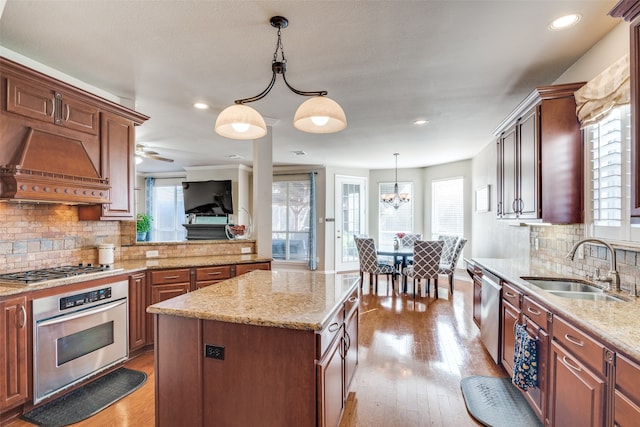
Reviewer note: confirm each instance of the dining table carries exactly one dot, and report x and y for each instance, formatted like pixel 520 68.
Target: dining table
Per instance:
pixel 400 256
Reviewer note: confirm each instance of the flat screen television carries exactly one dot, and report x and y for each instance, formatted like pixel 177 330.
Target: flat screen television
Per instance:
pixel 207 197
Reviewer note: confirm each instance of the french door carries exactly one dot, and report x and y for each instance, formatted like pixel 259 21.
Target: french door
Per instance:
pixel 350 211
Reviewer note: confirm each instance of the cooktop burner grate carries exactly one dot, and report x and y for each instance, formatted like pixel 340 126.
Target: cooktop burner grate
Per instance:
pixel 34 276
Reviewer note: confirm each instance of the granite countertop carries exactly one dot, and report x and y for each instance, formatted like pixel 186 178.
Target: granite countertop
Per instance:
pixel 614 322
pixel 293 300
pixel 134 266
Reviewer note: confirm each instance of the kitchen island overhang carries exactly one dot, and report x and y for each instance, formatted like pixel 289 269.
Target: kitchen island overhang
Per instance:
pixel 265 348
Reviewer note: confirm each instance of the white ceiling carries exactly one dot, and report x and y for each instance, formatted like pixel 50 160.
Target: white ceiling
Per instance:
pixel 462 65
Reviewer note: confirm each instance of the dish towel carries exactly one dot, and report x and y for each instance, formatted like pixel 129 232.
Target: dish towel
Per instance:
pixel 525 363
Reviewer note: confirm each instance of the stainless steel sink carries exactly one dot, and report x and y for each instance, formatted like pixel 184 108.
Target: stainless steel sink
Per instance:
pixel 563 285
pixel 594 296
pixel 571 288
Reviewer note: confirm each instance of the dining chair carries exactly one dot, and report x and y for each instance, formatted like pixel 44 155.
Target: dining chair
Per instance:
pixel 369 263
pixel 448 263
pixel 408 239
pixel 426 261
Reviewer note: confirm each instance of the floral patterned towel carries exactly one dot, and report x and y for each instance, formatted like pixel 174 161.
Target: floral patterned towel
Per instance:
pixel 525 363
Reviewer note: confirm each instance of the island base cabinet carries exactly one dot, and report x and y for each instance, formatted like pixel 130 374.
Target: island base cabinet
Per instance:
pixel 577 395
pixel 211 373
pixel 13 352
pixel 330 385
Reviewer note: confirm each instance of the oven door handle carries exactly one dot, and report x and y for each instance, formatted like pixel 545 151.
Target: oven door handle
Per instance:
pixel 84 313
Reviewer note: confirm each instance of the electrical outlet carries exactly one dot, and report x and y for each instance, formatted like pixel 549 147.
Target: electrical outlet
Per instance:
pixel 245 250
pixel 214 351
pixel 152 254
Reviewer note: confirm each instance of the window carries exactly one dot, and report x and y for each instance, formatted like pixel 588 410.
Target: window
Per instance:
pixel 167 211
pixel 608 144
pixel 290 219
pixel 447 207
pixel 391 220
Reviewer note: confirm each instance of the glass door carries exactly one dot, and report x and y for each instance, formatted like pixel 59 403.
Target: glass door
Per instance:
pixel 350 209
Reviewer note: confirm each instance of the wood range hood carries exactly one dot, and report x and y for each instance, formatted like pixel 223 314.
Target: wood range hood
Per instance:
pixel 52 168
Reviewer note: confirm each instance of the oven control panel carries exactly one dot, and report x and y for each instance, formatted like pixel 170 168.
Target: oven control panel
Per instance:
pixel 84 298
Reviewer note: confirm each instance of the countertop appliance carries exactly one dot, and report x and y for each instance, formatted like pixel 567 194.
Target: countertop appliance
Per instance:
pixel 490 314
pixel 78 334
pixel 106 254
pixel 37 276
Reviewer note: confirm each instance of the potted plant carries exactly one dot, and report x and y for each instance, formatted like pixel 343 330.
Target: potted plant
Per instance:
pixel 143 226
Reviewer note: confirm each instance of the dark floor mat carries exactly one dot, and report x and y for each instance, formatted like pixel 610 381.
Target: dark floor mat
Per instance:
pixel 87 400
pixel 496 402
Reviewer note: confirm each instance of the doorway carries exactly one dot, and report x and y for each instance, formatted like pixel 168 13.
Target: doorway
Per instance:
pixel 350 210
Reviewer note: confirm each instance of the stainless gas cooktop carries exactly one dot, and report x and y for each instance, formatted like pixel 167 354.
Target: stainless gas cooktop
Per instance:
pixel 37 276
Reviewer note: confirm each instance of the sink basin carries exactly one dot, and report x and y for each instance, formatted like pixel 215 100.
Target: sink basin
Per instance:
pixel 593 296
pixel 571 288
pixel 563 285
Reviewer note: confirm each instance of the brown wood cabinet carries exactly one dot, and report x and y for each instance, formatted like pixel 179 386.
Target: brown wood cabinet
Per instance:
pixel 137 305
pixel 206 276
pixel 539 145
pixel 578 377
pixel 626 401
pixel 629 10
pixel 14 333
pixel 42 102
pixel 511 309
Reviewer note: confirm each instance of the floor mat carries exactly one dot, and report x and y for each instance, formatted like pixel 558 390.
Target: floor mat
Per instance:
pixel 495 402
pixel 87 400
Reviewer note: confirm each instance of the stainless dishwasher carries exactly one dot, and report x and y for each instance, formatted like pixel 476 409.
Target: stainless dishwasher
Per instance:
pixel 490 314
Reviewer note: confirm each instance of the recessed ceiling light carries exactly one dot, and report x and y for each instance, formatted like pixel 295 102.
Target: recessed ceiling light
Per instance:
pixel 565 22
pixel 299 153
pixel 420 122
pixel 235 157
pixel 200 106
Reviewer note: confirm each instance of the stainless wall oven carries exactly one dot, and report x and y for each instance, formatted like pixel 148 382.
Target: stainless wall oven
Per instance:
pixel 76 335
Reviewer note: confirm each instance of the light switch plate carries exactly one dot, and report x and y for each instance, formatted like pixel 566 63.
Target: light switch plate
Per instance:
pixel 152 254
pixel 245 250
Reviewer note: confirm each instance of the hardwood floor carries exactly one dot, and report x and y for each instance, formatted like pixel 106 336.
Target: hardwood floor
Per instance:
pixel 411 359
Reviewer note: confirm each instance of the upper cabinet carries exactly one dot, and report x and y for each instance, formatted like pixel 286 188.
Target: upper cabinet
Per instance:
pixel 540 146
pixel 630 11
pixel 63 144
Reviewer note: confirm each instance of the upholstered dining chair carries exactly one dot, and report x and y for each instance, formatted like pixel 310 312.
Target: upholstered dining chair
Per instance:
pixel 426 261
pixel 369 263
pixel 408 239
pixel 448 263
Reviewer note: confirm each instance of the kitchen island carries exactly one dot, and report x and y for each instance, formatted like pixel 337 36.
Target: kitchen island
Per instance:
pixel 266 348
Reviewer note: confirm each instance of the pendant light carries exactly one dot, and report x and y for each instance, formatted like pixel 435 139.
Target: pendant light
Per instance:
pixel 396 199
pixel 316 115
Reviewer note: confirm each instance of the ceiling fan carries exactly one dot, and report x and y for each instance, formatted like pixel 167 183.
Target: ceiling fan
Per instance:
pixel 143 151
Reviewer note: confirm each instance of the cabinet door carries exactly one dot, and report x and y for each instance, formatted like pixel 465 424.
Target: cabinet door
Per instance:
pixel 79 115
pixel 626 403
pixel 509 173
pixel 13 352
pixel 527 204
pixel 30 100
pixel 137 306
pixel 330 386
pixel 118 145
pixel 576 394
pixel 160 293
pixel 537 396
pixel 510 316
pixel 351 349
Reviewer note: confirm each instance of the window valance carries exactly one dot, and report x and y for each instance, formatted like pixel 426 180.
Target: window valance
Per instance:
pixel 607 90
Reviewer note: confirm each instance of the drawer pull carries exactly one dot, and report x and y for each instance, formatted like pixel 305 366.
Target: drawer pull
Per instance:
pixel 67 112
pixel 573 340
pixel 23 320
pixel 533 311
pixel 566 360
pixel 217 273
pixel 53 108
pixel 510 294
pixel 334 327
pixel 171 277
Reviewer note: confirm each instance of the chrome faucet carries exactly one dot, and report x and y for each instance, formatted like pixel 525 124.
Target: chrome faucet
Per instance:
pixel 613 278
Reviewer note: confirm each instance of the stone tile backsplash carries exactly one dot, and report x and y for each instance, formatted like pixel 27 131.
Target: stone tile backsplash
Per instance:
pixel 555 242
pixel 44 235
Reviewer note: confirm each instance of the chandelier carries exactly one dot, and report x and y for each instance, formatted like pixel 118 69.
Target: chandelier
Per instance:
pixel 396 199
pixel 316 115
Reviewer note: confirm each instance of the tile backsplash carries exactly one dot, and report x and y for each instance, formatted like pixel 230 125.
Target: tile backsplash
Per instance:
pixel 44 235
pixel 551 244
